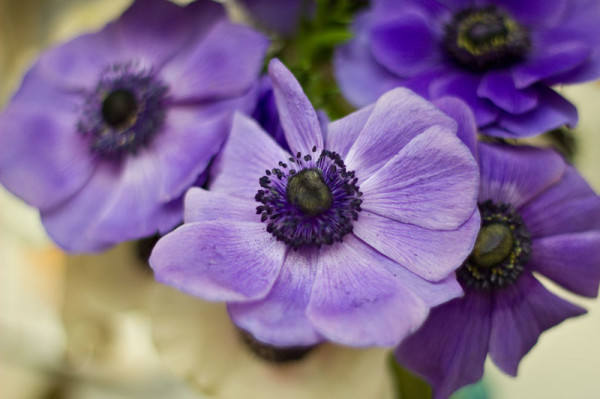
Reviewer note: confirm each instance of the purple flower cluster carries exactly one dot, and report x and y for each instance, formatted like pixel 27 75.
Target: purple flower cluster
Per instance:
pixel 392 226
pixel 499 56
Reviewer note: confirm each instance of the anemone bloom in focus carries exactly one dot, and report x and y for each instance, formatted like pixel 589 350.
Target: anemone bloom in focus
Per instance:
pixel 499 56
pixel 538 216
pixel 351 237
pixel 108 130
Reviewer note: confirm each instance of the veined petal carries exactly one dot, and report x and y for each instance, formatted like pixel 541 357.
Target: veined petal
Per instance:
pixel 297 115
pixel 223 260
pixel 521 313
pixel 342 133
pixel 431 183
pixel 458 110
pixel 280 318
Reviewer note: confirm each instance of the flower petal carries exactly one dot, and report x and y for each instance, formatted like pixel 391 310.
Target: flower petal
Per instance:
pixel 516 175
pixel 534 12
pixel 431 183
pixel 405 45
pixel 203 206
pixel 521 313
pixel 552 111
pixel 571 260
pixel 464 86
pixel 226 62
pixel 280 318
pixel 342 133
pixel 219 260
pixel 430 254
pixel 153 31
pixel 44 160
pixel 460 112
pixel 297 115
pixel 249 151
pixel 449 350
pixel 569 206
pixel 399 116
pixel 357 302
pixel 499 88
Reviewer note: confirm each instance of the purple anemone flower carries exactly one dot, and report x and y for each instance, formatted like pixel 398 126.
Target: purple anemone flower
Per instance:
pixel 351 236
pixel 499 56
pixel 281 16
pixel 538 216
pixel 108 130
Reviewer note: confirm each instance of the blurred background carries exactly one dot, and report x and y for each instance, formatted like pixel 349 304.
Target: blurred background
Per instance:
pixel 80 327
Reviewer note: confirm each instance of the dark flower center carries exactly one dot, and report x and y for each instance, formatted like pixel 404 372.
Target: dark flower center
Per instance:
pixel 308 202
pixel 501 250
pixel 124 113
pixel 274 354
pixel 119 108
pixel 308 192
pixel 485 38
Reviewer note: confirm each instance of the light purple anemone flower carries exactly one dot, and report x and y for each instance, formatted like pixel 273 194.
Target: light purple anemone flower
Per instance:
pixel 108 130
pixel 539 216
pixel 350 237
pixel 499 56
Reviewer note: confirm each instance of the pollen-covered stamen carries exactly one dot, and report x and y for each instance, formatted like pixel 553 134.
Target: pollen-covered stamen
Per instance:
pixel 309 202
pixel 501 250
pixel 125 111
pixel 485 38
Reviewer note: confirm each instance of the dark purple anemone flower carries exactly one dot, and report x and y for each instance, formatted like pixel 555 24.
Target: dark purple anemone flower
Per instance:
pixel 538 216
pixel 281 16
pixel 351 236
pixel 108 130
pixel 499 56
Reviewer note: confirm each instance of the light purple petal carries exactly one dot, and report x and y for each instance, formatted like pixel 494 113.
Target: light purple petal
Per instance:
pixel 516 175
pixel 499 88
pixel 360 78
pixel 534 12
pixel 399 116
pixel 460 112
pixel 355 301
pixel 151 32
pixel 571 260
pixel 521 313
pixel 464 86
pixel 219 260
pixel 567 207
pixel 430 254
pixel 342 133
pixel 182 151
pixel 77 64
pixel 554 56
pixel 43 159
pixel 297 115
pixel 449 350
pixel 431 183
pixel 405 45
pixel 203 205
pixel 280 318
pixel 249 151
pixel 225 63
pixel 119 203
pixel 552 111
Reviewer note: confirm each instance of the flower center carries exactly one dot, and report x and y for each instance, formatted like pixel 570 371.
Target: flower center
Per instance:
pixel 308 191
pixel 501 250
pixel 485 38
pixel 125 111
pixel 119 108
pixel 308 202
pixel 274 354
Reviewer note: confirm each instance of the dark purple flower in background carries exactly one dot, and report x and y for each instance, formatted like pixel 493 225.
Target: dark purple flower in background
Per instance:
pixel 108 130
pixel 538 215
pixel 281 16
pixel 499 56
pixel 350 237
